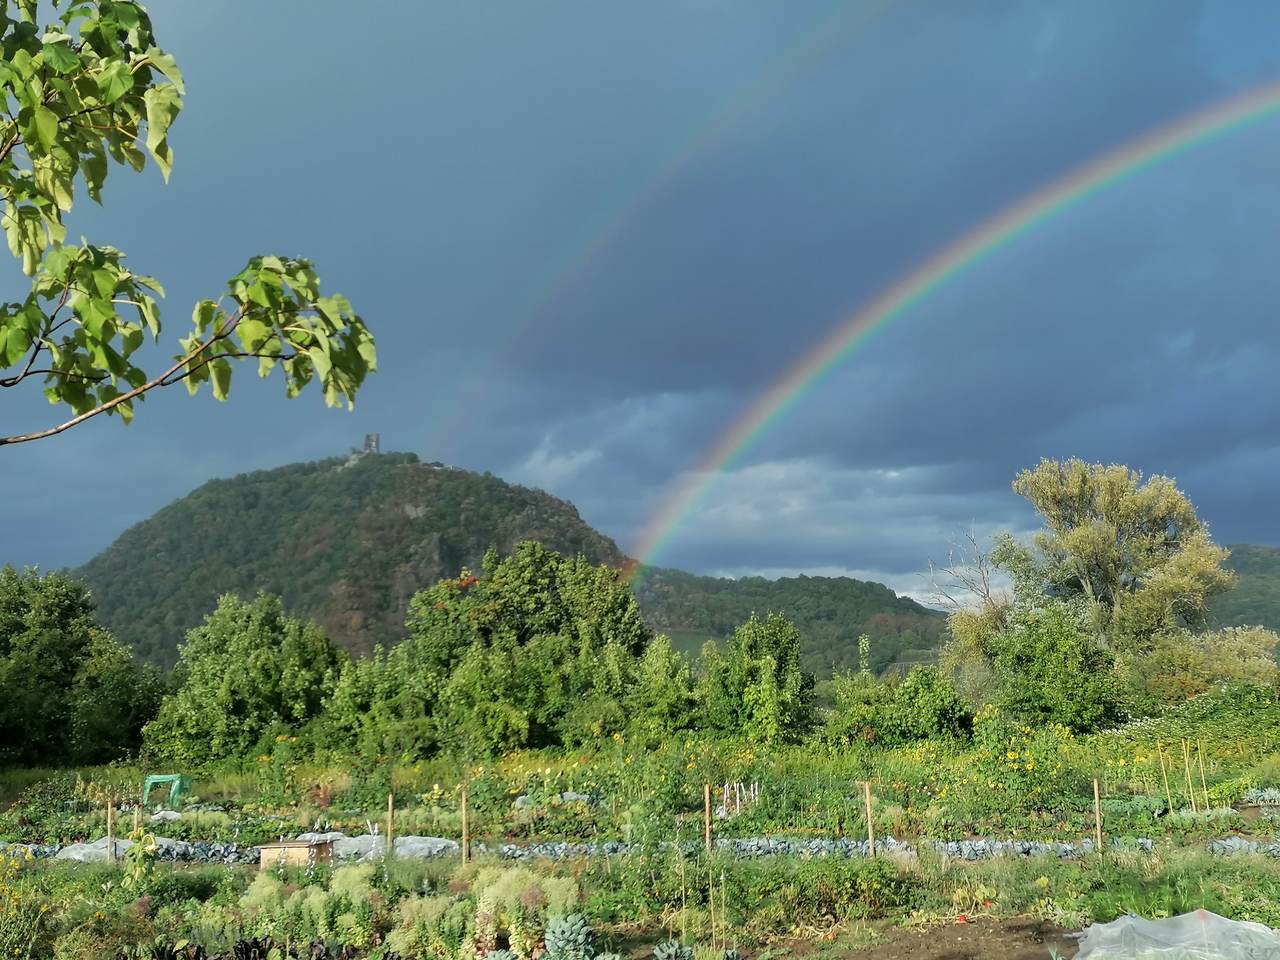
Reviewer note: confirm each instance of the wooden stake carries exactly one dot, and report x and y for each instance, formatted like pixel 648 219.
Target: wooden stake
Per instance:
pixel 1097 816
pixel 706 815
pixel 111 838
pixel 137 819
pixel 871 827
pixel 1164 771
pixel 724 915
pixel 711 900
pixel 391 814
pixel 1186 766
pixel 1203 785
pixel 466 828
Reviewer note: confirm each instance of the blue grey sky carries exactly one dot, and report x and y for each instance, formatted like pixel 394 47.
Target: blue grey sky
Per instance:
pixel 588 234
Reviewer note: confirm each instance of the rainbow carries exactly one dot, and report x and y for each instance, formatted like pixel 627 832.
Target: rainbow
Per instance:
pixel 972 248
pixel 607 223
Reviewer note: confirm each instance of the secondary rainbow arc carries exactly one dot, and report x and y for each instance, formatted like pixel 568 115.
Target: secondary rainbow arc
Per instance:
pixel 984 240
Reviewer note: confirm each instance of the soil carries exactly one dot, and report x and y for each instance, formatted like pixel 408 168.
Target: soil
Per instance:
pixel 982 939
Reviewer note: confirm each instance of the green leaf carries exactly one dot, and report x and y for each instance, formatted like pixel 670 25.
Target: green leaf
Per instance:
pixel 132 340
pixel 105 282
pixel 150 314
pixel 252 333
pixel 320 359
pixel 168 66
pixel 220 377
pixel 93 165
pixel 115 81
pixel 21 63
pixel 95 315
pixel 61 57
pixel 163 105
pixel 262 295
pixel 45 122
pixel 17 340
pixel 203 316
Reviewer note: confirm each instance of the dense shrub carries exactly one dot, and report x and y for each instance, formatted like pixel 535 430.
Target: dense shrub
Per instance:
pixel 69 692
pixel 1048 670
pixel 924 705
pixel 249 670
pixel 756 688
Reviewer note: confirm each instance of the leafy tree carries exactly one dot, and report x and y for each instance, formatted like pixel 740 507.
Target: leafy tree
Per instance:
pixel 926 705
pixel 968 657
pixel 1130 552
pixel 757 689
pixel 88 90
pixel 538 650
pixel 661 698
pixel 1048 670
pixel 248 670
pixel 1182 666
pixel 857 714
pixel 68 691
pixel 923 706
pixel 113 697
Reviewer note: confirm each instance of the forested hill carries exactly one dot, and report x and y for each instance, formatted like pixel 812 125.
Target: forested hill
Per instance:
pixel 831 613
pixel 1255 601
pixel 345 543
pixel 348 542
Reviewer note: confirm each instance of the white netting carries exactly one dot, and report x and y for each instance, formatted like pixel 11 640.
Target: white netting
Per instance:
pixel 1193 936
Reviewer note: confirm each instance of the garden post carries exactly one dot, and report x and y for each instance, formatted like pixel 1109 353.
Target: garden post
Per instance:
pixel 1204 786
pixel 1186 766
pixel 1097 816
pixel 111 839
pixel 871 827
pixel 391 808
pixel 466 828
pixel 1164 771
pixel 706 815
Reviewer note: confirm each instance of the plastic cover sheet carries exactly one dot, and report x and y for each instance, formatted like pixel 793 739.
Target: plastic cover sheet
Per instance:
pixel 1193 936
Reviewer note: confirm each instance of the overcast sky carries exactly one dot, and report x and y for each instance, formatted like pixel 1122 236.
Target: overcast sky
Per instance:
pixel 589 234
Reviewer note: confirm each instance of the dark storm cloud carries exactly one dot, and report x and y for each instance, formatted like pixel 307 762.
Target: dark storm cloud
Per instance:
pixel 589 235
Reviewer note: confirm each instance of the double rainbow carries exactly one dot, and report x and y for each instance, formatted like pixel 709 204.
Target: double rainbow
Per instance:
pixel 982 242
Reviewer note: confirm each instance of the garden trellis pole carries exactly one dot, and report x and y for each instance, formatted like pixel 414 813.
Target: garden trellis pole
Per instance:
pixel 871 827
pixel 1186 766
pixel 391 814
pixel 706 815
pixel 1204 786
pixel 466 828
pixel 111 829
pixel 1164 771
pixel 1097 816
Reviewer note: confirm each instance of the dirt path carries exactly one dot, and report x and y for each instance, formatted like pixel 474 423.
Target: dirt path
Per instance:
pixel 1018 939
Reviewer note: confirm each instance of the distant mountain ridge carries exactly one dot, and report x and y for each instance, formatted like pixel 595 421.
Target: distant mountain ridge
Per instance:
pixel 831 613
pixel 348 541
pixel 1255 601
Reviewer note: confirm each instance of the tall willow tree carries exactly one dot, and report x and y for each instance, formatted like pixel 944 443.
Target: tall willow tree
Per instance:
pixel 1128 550
pixel 84 92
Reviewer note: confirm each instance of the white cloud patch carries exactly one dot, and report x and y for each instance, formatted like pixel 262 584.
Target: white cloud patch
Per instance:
pixel 809 516
pixel 548 468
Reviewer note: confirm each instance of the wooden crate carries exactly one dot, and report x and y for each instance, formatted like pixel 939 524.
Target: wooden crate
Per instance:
pixel 295 853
